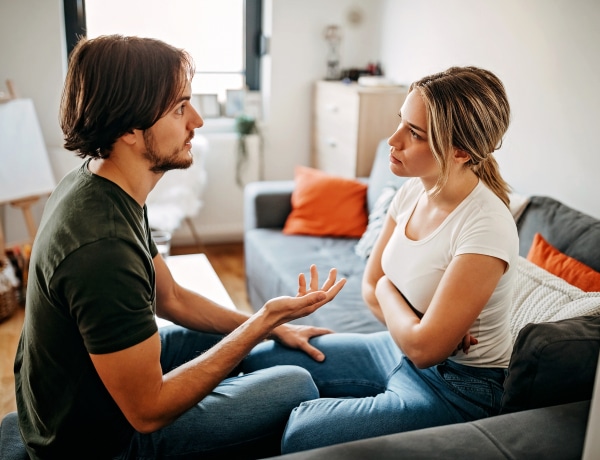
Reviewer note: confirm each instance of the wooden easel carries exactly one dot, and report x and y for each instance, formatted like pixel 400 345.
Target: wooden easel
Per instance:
pixel 12 92
pixel 23 203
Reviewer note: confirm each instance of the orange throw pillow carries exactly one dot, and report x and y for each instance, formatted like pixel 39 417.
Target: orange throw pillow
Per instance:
pixel 546 256
pixel 326 205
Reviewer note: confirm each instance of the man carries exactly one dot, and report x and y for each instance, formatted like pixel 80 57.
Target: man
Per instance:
pixel 94 376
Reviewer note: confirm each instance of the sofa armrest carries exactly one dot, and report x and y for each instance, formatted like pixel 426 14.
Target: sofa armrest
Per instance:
pixel 267 204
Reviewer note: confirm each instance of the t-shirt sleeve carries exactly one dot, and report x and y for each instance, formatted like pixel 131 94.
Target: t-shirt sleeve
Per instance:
pixel 108 287
pixel 491 234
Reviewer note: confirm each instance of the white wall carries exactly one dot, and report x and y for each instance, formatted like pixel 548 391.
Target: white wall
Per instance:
pixel 33 55
pixel 546 52
pixel 297 58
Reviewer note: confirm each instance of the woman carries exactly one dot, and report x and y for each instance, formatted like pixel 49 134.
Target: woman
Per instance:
pixel 440 278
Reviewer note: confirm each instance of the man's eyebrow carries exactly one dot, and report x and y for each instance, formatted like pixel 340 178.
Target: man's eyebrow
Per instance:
pixel 179 100
pixel 412 125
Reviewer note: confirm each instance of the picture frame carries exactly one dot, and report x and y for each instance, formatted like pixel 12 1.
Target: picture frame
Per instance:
pixel 207 105
pixel 234 104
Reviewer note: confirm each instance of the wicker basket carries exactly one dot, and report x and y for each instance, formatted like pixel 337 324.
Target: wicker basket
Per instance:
pixel 9 300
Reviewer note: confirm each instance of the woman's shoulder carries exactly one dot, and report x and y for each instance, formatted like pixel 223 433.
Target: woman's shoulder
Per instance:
pixel 488 202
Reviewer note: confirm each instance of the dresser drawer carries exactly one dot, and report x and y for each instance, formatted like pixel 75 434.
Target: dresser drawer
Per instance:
pixel 337 106
pixel 336 155
pixel 349 122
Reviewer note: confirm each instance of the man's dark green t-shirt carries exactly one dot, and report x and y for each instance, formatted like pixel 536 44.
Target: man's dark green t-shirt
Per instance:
pixel 91 290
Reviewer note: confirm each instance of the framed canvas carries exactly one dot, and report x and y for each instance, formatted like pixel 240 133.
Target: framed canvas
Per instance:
pixel 235 102
pixel 208 105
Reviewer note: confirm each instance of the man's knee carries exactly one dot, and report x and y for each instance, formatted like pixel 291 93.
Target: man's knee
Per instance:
pixel 293 382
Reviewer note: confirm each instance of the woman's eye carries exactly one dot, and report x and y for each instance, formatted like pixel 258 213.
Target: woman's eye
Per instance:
pixel 180 110
pixel 412 132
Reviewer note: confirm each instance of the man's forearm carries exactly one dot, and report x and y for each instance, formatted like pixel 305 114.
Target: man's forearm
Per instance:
pixel 196 312
pixel 186 385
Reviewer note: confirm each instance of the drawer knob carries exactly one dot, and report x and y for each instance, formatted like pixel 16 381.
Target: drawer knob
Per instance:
pixel 331 142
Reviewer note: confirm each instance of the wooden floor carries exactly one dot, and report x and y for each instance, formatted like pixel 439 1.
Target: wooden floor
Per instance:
pixel 227 260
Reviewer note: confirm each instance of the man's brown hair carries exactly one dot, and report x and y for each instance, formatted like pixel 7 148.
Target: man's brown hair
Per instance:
pixel 116 84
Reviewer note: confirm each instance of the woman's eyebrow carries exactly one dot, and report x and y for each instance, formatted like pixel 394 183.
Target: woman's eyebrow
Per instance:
pixel 412 125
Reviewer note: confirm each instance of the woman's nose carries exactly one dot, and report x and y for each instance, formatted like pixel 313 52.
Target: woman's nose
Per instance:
pixel 395 139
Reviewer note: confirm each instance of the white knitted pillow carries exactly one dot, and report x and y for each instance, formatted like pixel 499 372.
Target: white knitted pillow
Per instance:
pixel 540 296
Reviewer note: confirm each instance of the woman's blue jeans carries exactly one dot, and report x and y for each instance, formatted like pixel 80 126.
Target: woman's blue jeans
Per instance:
pixel 244 417
pixel 369 388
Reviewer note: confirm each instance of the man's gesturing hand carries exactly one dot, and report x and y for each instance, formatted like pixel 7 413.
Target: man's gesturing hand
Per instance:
pixel 306 301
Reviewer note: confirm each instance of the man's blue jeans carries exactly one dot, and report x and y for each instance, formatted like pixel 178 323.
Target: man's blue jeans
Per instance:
pixel 244 417
pixel 369 388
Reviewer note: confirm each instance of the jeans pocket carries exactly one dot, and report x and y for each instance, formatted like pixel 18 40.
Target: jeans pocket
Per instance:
pixel 479 390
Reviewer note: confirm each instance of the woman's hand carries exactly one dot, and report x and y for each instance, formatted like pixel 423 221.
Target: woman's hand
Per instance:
pixel 465 344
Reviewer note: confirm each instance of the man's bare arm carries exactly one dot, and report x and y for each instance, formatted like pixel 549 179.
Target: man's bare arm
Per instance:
pixel 151 400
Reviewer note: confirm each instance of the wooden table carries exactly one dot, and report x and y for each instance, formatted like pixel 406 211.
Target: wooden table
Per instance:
pixel 194 272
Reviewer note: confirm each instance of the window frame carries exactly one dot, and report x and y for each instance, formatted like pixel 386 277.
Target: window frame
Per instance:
pixel 75 28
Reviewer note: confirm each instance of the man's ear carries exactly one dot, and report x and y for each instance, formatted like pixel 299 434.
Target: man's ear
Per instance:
pixel 131 137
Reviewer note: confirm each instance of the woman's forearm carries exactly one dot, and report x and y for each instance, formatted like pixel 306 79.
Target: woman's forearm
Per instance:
pixel 370 299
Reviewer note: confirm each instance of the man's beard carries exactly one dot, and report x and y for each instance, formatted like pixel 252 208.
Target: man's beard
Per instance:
pixel 163 163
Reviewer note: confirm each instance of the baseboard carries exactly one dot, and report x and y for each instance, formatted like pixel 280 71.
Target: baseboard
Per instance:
pixel 209 234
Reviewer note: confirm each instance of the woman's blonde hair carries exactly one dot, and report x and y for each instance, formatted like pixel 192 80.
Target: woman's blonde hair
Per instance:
pixel 467 109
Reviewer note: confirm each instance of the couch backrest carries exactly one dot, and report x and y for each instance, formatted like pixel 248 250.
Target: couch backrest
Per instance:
pixel 570 231
pixel 381 175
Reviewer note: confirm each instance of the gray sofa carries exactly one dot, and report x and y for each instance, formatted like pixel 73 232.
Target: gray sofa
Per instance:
pixel 556 328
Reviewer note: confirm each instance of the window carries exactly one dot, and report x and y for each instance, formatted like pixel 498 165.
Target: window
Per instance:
pixel 221 35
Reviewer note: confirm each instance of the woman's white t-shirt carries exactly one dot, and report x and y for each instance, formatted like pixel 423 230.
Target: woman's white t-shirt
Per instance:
pixel 480 224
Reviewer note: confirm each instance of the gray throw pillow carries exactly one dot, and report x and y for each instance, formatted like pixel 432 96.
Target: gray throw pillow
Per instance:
pixel 552 363
pixel 365 245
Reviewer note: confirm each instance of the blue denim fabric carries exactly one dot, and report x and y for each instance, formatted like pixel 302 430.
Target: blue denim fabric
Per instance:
pixel 244 417
pixel 369 388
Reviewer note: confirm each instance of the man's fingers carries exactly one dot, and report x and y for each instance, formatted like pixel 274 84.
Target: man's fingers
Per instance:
pixel 337 287
pixel 314 278
pixel 301 284
pixel 330 279
pixel 313 352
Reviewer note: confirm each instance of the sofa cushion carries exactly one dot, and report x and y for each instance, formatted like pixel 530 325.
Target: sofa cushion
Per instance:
pixel 274 260
pixel 376 218
pixel 544 255
pixel 552 363
pixel 541 296
pixel 517 205
pixel 326 205
pixel 572 232
pixel 381 176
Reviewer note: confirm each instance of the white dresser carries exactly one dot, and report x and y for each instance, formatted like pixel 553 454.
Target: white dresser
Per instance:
pixel 349 122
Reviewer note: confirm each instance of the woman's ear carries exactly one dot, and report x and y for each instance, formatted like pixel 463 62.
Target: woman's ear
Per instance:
pixel 461 157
